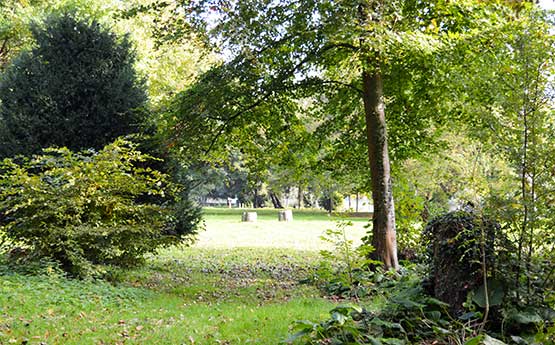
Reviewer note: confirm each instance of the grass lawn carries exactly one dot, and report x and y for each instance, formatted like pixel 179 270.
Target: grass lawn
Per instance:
pixel 225 229
pixel 237 285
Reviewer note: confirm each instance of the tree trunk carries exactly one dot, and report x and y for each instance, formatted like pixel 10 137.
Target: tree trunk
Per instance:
pixel 255 199
pixel 300 196
pixel 331 202
pixel 275 200
pixel 249 217
pixel 383 232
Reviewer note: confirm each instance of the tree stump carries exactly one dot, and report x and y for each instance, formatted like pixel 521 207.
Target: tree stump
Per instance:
pixel 455 251
pixel 249 217
pixel 285 216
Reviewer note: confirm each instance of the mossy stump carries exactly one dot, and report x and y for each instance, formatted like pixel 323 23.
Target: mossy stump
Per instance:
pixel 455 249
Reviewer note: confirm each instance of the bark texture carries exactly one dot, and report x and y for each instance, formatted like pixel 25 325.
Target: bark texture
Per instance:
pixel 300 196
pixel 384 234
pixel 275 200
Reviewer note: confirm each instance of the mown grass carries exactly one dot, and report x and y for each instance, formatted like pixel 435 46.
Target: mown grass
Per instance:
pixel 272 214
pixel 225 229
pixel 239 285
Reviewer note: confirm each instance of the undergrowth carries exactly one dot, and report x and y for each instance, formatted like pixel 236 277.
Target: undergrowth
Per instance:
pixel 396 308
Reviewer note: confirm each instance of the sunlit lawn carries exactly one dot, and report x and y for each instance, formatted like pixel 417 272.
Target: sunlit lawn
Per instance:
pixel 237 285
pixel 225 229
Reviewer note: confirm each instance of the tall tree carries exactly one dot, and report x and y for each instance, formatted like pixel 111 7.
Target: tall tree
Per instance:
pixel 76 88
pixel 354 58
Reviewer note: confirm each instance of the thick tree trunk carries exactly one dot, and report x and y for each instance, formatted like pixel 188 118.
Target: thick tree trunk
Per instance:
pixel 383 232
pixel 285 216
pixel 249 217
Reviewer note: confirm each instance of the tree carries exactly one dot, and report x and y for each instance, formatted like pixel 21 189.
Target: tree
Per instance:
pixel 76 88
pixel 464 172
pixel 13 29
pixel 170 65
pixel 353 58
pixel 516 117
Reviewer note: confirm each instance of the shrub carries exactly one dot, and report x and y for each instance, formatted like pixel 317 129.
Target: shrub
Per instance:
pixel 345 272
pixel 89 208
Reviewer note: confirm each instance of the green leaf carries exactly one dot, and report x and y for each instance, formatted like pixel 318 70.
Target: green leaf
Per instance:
pixel 469 316
pixel 474 341
pixel 345 309
pixel 525 317
pixel 491 341
pixel 297 335
pixel 434 315
pixel 339 318
pixel 495 294
pixel 393 341
pixel 440 330
pixel 407 303
pixel 519 340
pixel 374 341
pixel 484 339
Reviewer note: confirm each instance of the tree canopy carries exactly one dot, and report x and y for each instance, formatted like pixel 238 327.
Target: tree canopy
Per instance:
pixel 352 59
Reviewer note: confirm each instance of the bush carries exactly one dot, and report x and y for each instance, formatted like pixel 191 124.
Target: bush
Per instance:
pixel 89 208
pixel 76 88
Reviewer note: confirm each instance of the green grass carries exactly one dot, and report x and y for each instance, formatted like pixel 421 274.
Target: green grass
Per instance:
pixel 272 214
pixel 61 311
pixel 225 229
pixel 238 285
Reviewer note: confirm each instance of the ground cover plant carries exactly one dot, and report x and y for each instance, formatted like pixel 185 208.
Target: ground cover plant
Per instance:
pixel 460 293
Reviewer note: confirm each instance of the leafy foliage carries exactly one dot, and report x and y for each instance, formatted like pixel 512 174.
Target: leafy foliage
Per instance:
pixel 344 272
pixel 517 120
pixel 91 208
pixel 463 170
pixel 313 51
pixel 409 316
pixel 13 29
pixel 76 88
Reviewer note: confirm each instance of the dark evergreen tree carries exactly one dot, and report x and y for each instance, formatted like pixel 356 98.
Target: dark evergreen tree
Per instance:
pixel 76 88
